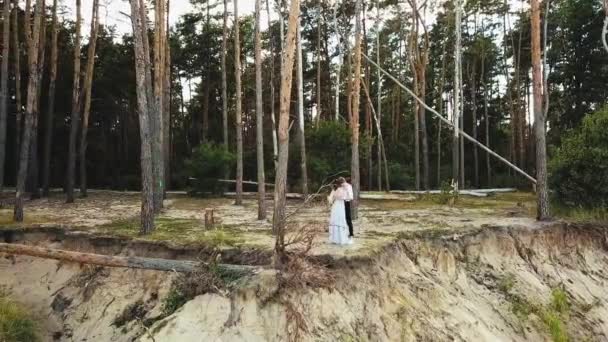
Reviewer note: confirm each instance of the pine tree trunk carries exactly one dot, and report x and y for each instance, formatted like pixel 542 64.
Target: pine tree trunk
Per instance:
pixel 17 73
pixel 88 84
pixel 48 136
pixel 368 114
pixel 301 124
pixel 224 77
pixel 259 109
pixel 238 122
pixel 355 113
pixel 423 131
pixel 473 89
pixel 32 90
pixel 166 113
pixel 75 114
pixel 4 86
pixel 275 148
pixel 318 87
pixel 486 117
pixel 416 116
pixel 338 66
pixel 156 114
pixel 32 183
pixel 439 123
pixel 379 105
pixel 457 100
pixel 147 192
pixel 539 117
pixel 278 221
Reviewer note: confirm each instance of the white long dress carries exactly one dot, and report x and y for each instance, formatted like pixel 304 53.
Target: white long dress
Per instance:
pixel 338 228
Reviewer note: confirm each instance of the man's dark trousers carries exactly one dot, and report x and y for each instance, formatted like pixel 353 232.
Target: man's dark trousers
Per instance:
pixel 349 220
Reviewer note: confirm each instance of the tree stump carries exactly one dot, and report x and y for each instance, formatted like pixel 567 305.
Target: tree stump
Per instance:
pixel 209 219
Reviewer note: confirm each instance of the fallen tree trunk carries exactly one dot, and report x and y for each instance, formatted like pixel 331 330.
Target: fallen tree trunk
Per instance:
pixel 244 182
pixel 113 261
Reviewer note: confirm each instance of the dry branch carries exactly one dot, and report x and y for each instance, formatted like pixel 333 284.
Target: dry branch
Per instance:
pixel 113 261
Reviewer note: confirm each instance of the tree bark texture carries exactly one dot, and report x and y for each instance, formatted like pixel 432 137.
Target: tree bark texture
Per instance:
pixel 32 90
pixel 539 117
pixel 259 109
pixel 17 73
pixel 238 120
pixel 48 136
pixel 75 114
pixel 147 192
pixel 355 113
pixel 4 86
pixel 88 85
pixel 301 123
pixel 275 148
pixel 278 221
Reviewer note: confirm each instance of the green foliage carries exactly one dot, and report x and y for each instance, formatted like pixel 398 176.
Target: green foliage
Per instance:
pixel 175 299
pixel 400 176
pixel 209 163
pixel 555 325
pixel 328 148
pixel 579 167
pixel 16 325
pixel 559 301
pixel 448 194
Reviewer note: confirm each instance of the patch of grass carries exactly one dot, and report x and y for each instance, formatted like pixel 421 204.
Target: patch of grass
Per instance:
pixel 177 230
pixel 580 214
pixel 556 326
pixel 175 299
pixel 16 324
pixel 6 219
pixel 506 283
pixel 554 316
pixel 559 301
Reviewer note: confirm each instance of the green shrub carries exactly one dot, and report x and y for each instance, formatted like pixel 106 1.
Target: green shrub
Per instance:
pixel 579 167
pixel 208 164
pixel 400 176
pixel 328 151
pixel 448 194
pixel 16 325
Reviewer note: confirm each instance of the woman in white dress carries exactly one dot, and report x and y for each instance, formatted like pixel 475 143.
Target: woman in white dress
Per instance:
pixel 338 228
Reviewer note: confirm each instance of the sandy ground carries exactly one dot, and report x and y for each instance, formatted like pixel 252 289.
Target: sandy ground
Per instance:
pixel 182 220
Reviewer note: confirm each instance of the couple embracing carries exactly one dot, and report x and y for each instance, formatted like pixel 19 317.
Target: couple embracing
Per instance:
pixel 340 222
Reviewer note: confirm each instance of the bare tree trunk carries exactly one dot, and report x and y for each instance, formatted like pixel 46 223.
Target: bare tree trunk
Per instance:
pixel 301 124
pixel 156 114
pixel 545 66
pixel 457 100
pixel 486 118
pixel 88 84
pixel 474 125
pixel 379 118
pixel 440 107
pixel 259 109
pixel 278 222
pixel 539 117
pixel 48 137
pixel 166 113
pixel 147 178
pixel 275 148
pixel 224 77
pixel 4 86
pixel 368 115
pixel 338 65
pixel 319 91
pixel 32 183
pixel 355 113
pixel 18 101
pixel 32 90
pixel 75 115
pixel 238 123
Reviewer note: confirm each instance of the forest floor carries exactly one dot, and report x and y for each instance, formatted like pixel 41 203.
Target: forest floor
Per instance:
pixel 181 223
